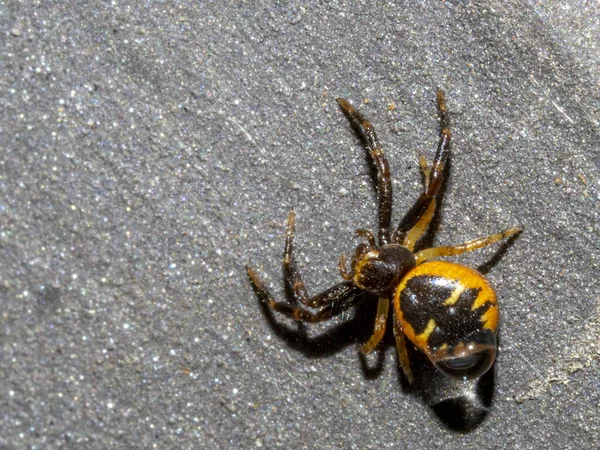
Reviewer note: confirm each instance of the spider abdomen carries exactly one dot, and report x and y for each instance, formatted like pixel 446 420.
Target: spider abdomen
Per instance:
pixel 449 312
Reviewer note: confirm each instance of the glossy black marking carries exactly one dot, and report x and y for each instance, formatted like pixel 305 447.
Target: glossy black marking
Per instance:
pixel 423 299
pixel 471 364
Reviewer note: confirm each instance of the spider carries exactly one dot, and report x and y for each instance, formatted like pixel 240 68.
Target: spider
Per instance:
pixel 448 311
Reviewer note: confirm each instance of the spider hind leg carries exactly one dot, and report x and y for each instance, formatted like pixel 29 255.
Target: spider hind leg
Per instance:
pixel 453 250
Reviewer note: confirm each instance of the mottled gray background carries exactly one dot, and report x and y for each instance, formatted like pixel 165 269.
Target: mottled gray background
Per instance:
pixel 149 150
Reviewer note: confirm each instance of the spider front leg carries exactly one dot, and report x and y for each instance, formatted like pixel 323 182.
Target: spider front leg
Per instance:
pixel 418 218
pixel 333 301
pixel 384 181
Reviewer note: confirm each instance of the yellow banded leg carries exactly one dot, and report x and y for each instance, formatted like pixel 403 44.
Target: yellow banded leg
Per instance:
pixel 435 252
pixel 420 227
pixel 424 170
pixel 439 161
pixel 417 231
pixel 402 352
pixel 433 175
pixel 380 321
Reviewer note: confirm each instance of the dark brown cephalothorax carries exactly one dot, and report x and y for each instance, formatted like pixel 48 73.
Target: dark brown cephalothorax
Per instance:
pixel 447 310
pixel 379 270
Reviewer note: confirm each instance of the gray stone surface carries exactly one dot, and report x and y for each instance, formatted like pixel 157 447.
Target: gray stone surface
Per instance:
pixel 149 150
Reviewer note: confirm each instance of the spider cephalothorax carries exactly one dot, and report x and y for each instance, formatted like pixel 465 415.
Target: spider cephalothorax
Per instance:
pixel 447 310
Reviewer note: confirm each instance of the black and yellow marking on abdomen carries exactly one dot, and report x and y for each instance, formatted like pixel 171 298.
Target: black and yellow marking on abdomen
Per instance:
pixel 457 299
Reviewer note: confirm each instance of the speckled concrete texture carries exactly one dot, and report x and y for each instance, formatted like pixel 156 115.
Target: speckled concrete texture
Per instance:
pixel 149 150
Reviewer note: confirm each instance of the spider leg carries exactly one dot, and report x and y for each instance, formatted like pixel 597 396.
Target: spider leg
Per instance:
pixel 384 182
pixel 294 278
pixel 435 252
pixel 425 204
pixel 380 322
pixel 415 233
pixel 346 273
pixel 337 299
pixel 367 235
pixel 333 301
pixel 402 351
pixel 425 170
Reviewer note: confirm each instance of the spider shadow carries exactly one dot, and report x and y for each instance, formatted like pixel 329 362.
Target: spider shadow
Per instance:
pixel 498 254
pixel 460 405
pixel 329 342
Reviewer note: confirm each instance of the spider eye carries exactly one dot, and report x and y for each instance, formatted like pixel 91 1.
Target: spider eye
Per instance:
pixel 469 360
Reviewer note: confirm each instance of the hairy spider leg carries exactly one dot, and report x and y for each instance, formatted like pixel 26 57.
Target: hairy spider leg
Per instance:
pixel 453 250
pixel 380 322
pixel 402 351
pixel 333 301
pixel 384 181
pixel 435 175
